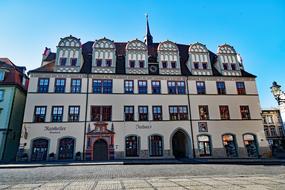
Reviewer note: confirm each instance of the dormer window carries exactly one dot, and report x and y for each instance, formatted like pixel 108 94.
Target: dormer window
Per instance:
pixel 108 62
pixel 225 66
pixel 62 61
pixel 205 65
pixel 98 62
pixel 196 65
pixel 141 64
pixel 132 63
pixel 173 64
pixel 233 67
pixel 73 62
pixel 2 74
pixel 164 64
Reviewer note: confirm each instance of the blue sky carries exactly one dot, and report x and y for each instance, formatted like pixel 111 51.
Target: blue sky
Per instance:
pixel 256 28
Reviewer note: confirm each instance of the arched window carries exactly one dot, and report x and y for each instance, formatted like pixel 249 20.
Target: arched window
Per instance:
pixel 204 145
pixel 66 149
pixel 132 146
pixel 155 145
pixel 39 150
pixel 230 145
pixel 250 145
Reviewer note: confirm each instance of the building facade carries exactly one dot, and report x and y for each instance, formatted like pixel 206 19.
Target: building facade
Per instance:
pixel 105 100
pixel 273 129
pixel 13 91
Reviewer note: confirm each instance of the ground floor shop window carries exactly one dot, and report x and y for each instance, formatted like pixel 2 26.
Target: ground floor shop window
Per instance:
pixel 66 149
pixel 132 146
pixel 155 145
pixel 250 145
pixel 230 145
pixel 204 145
pixel 39 150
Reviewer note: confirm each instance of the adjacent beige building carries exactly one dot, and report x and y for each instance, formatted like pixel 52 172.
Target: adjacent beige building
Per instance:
pixel 105 100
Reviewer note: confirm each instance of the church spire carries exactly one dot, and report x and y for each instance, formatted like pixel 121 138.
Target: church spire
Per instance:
pixel 148 36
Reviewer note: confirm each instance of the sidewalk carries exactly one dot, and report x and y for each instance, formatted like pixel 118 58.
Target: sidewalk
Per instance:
pixel 239 161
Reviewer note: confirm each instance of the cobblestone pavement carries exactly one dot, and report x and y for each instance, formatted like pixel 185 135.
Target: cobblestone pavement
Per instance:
pixel 145 177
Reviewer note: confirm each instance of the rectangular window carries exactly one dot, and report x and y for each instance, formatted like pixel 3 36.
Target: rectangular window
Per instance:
pixel 225 66
pixel 269 119
pixel 205 65
pixel 244 110
pixel 43 85
pixel 73 113
pixel 102 86
pixel 233 67
pixel 266 131
pixel 196 65
pixel 59 86
pixel 98 62
pixel 73 61
pixel 1 95
pixel 201 88
pixel 221 88
pixel 40 114
pixel 224 112
pixel 273 131
pixel 204 112
pixel 164 64
pixel 180 87
pixel 2 74
pixel 143 113
pixel 129 86
pixel 62 61
pixel 173 64
pixel 108 62
pixel 155 86
pixel 240 88
pixel 57 114
pixel 157 113
pixel 176 87
pixel 281 132
pixel 141 64
pixel 129 113
pixel 75 86
pixel 101 113
pixel 142 86
pixel 178 112
pixel 132 63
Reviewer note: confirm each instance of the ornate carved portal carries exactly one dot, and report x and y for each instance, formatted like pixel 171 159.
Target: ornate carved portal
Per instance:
pixel 100 143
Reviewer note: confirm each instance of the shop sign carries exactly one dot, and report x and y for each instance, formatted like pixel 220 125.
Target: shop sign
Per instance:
pixel 54 129
pixel 143 126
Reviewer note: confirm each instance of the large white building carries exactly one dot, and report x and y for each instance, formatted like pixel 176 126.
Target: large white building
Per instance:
pixel 104 100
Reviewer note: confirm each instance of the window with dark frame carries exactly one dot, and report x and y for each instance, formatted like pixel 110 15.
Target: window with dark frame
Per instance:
pixel 196 65
pixel 75 86
pixel 204 112
pixel 62 61
pixel 225 66
pixel 73 113
pixel 171 87
pixel 129 86
pixel 132 64
pixel 107 86
pixel 155 86
pixel 143 113
pixel 97 86
pixel 233 66
pixel 73 61
pixel 266 131
pixel 108 62
pixel 99 62
pixel 173 64
pixel 57 114
pixel 129 113
pixel 132 146
pixel 102 86
pixel 273 132
pixel 201 88
pixel 224 112
pixel 155 145
pixel 205 65
pixel 141 63
pixel 240 88
pixel 281 131
pixel 157 113
pixel 43 85
pixel 176 87
pixel 221 88
pixel 204 145
pixel 180 87
pixel 178 112
pixel 40 114
pixel 245 114
pixel 101 113
pixel 59 86
pixel 164 64
pixel 142 86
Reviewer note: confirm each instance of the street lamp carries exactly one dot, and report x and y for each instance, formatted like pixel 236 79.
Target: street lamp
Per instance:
pixel 277 93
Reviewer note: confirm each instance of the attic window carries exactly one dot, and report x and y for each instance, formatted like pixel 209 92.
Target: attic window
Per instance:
pixel 233 67
pixel 98 62
pixel 2 74
pixel 173 64
pixel 62 61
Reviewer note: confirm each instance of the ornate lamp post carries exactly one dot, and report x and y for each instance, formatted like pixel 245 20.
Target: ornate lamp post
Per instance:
pixel 277 93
